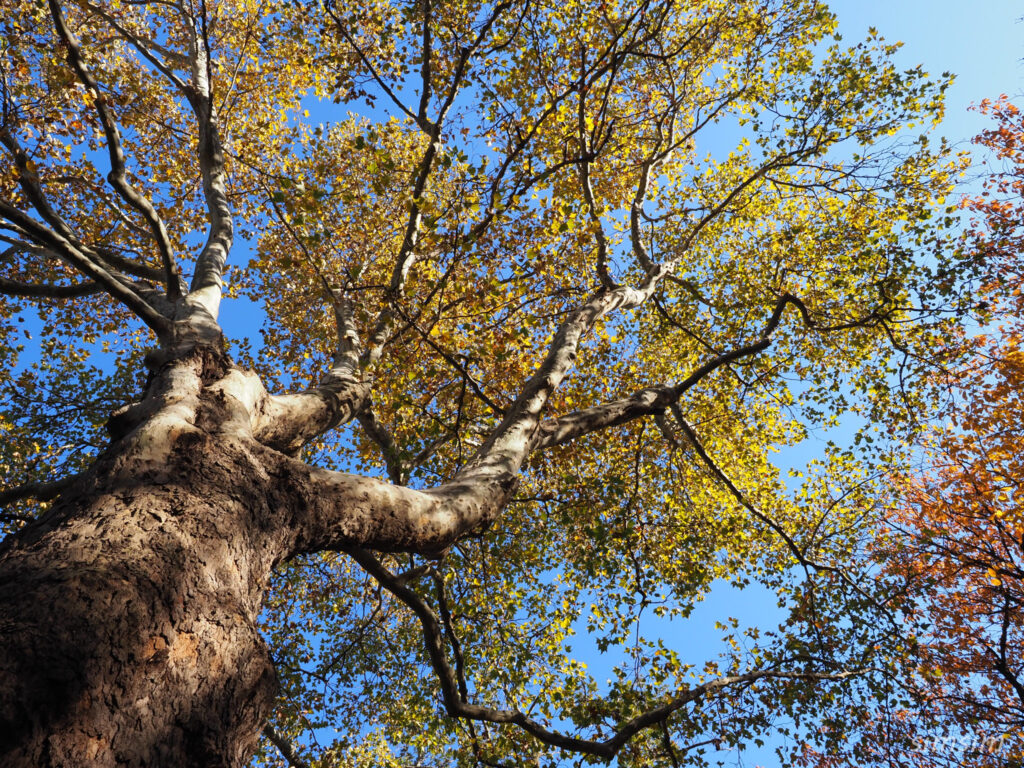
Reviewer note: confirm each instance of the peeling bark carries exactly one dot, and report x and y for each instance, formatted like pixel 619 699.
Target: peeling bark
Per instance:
pixel 128 612
pixel 128 634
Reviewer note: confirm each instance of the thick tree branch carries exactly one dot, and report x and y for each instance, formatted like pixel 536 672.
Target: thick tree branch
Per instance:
pixel 389 450
pixel 284 747
pixel 507 447
pixel 346 511
pixel 45 291
pixel 117 177
pixel 207 282
pixel 287 422
pixel 346 350
pixel 643 256
pixel 342 511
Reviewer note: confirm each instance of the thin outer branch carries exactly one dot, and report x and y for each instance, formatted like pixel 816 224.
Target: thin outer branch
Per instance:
pixel 407 253
pixel 433 636
pixel 407 256
pixel 425 75
pixel 45 291
pixel 147 47
pixel 798 554
pixel 1002 662
pixel 78 256
pixel 107 256
pixel 97 189
pixel 345 361
pixel 453 639
pixel 656 158
pixel 719 473
pixel 343 31
pixel 117 175
pixel 62 241
pixel 595 220
pixel 586 148
pixel 505 450
pixel 28 180
pixel 653 400
pixel 463 370
pixel 128 266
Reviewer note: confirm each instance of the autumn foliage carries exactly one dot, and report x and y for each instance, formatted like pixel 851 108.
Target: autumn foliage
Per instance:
pixel 964 513
pixel 375 368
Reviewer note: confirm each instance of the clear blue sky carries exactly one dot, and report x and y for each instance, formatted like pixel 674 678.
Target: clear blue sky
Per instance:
pixel 980 41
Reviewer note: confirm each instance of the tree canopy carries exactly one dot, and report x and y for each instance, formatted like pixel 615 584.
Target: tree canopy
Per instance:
pixel 576 282
pixel 962 509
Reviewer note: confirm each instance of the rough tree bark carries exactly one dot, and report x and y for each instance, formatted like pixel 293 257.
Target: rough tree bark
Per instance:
pixel 128 631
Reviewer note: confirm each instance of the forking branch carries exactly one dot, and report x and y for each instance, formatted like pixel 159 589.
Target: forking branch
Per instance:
pixel 454 691
pixel 117 177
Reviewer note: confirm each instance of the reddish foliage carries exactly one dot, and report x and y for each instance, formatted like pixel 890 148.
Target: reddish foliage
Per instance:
pixel 964 512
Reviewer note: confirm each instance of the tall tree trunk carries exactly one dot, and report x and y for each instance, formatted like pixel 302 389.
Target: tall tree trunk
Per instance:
pixel 127 619
pixel 127 613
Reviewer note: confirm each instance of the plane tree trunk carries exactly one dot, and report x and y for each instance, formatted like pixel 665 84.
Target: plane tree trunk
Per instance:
pixel 128 611
pixel 127 614
pixel 128 634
